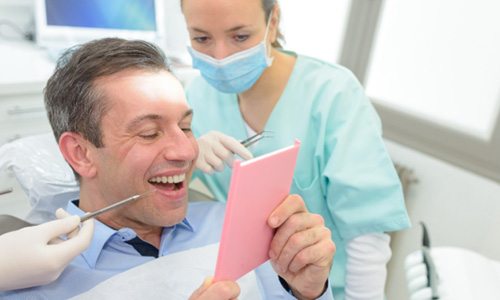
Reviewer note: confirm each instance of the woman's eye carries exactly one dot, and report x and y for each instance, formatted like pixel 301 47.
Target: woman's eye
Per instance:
pixel 241 37
pixel 200 39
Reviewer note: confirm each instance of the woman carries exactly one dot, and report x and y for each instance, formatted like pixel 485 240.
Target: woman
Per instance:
pixel 343 172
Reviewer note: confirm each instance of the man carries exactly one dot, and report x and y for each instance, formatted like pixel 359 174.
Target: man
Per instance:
pixel 123 124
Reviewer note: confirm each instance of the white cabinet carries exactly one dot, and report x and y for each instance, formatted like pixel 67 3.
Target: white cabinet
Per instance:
pixel 21 115
pixel 24 70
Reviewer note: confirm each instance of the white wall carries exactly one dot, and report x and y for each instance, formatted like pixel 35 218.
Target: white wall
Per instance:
pixel 460 209
pixel 176 34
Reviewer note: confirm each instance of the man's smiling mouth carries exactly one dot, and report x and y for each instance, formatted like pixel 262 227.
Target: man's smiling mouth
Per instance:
pixel 168 183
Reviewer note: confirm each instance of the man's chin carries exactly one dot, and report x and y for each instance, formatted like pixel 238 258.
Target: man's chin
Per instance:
pixel 173 217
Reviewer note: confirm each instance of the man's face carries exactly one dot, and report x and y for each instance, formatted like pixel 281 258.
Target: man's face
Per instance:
pixel 148 144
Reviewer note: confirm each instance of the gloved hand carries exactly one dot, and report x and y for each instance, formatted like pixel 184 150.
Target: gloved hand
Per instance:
pixel 216 149
pixel 36 255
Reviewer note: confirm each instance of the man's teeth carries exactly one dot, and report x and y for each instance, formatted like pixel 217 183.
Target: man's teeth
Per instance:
pixel 168 179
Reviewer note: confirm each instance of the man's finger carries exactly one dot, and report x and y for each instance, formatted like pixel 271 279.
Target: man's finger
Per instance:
pixel 319 254
pixel 223 290
pixel 294 224
pixel 292 204
pixel 297 245
pixel 206 283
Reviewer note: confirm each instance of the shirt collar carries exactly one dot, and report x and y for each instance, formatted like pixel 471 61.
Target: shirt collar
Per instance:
pixel 185 224
pixel 102 233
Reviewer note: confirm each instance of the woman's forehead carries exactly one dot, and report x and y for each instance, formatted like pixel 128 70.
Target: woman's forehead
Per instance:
pixel 225 11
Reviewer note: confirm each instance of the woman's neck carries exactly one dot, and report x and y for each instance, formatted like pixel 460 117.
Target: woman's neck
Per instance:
pixel 257 103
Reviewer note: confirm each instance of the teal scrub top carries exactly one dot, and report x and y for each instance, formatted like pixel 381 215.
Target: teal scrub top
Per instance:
pixel 343 171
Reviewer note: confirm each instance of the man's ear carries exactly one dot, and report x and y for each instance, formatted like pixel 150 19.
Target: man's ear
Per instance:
pixel 78 153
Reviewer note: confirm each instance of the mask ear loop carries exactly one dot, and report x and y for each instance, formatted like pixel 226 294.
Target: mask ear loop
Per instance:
pixel 268 25
pixel 268 49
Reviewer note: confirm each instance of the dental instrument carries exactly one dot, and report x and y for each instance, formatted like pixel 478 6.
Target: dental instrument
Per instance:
pixel 10 223
pixel 89 215
pixel 256 137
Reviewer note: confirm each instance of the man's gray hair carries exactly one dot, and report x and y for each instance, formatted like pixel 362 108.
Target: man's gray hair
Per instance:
pixel 73 102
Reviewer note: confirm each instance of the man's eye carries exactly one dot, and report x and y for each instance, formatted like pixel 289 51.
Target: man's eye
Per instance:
pixel 241 37
pixel 149 136
pixel 186 129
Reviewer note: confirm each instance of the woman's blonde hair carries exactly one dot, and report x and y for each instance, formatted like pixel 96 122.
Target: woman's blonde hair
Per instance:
pixel 268 6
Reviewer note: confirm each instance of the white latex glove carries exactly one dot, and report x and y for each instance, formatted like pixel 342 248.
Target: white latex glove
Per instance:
pixel 216 149
pixel 36 255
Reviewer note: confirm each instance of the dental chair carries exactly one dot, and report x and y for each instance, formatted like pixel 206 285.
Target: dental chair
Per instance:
pixel 451 273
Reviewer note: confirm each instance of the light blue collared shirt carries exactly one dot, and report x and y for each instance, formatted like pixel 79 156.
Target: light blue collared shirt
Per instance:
pixel 110 254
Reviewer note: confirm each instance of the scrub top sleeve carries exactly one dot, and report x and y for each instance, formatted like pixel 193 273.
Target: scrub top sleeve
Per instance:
pixel 364 194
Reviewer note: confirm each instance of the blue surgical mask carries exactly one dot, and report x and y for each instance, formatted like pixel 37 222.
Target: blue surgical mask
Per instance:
pixel 235 73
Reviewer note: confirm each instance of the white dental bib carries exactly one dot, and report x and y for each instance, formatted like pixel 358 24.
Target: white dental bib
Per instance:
pixel 174 276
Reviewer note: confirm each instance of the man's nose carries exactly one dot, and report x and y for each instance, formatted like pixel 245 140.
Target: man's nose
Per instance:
pixel 180 147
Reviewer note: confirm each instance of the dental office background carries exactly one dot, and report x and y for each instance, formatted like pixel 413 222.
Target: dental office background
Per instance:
pixel 430 67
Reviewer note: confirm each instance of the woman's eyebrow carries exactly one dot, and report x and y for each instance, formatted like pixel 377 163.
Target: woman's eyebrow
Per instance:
pixel 236 28
pixel 232 29
pixel 198 30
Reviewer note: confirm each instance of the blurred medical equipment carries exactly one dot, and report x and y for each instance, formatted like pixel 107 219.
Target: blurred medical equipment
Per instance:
pixel 406 176
pixel 10 223
pixel 451 273
pixel 6 191
pixel 427 284
pixel 42 173
pixel 56 26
